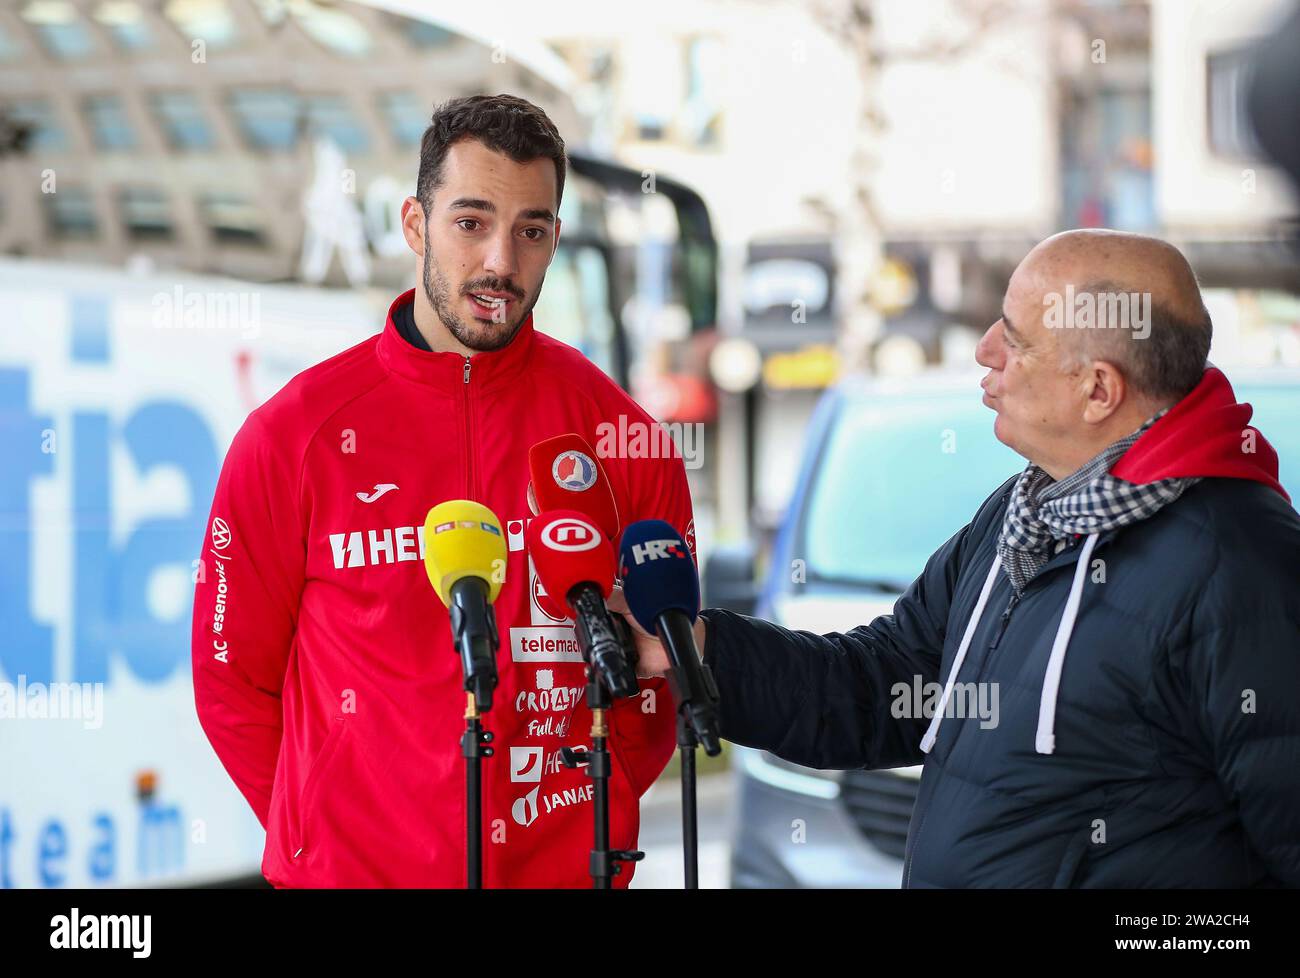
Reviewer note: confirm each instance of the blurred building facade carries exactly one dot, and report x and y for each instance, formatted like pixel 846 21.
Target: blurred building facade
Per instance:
pixel 251 138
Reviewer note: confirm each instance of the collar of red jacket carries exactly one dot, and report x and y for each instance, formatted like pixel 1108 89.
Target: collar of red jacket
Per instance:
pixel 1205 434
pixel 447 370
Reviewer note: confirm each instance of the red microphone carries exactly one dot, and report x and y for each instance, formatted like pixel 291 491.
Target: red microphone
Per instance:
pixel 575 564
pixel 566 474
pixel 572 551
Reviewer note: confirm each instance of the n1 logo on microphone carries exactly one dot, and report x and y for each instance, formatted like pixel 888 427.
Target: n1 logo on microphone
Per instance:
pixel 570 535
pixel 656 550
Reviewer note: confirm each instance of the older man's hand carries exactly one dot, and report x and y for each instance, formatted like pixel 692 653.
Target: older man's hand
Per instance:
pixel 652 660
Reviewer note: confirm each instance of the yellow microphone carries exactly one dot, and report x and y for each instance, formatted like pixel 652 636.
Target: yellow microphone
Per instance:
pixel 465 557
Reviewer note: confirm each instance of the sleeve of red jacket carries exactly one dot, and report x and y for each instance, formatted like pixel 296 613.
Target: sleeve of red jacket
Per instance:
pixel 246 607
pixel 645 726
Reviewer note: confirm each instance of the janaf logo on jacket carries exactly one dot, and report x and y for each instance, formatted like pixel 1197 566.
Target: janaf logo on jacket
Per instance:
pixel 527 766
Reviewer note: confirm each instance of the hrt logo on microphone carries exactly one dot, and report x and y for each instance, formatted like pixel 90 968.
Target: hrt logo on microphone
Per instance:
pixel 656 550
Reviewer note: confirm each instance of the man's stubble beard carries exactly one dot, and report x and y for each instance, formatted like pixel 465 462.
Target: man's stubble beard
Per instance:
pixel 438 292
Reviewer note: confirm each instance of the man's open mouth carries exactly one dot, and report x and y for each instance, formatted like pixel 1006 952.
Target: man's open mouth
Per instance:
pixel 491 304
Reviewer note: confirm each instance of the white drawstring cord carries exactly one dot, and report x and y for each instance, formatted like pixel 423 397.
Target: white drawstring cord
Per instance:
pixel 932 733
pixel 1045 740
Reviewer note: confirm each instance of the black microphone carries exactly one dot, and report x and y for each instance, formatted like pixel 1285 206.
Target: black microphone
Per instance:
pixel 662 591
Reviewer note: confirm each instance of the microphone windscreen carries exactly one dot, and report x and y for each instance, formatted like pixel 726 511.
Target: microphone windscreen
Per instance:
pixel 567 549
pixel 658 572
pixel 463 538
pixel 566 474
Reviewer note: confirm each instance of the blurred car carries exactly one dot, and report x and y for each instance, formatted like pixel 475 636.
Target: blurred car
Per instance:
pixel 891 469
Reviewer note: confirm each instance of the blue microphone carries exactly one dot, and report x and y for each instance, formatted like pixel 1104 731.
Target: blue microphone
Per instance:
pixel 662 591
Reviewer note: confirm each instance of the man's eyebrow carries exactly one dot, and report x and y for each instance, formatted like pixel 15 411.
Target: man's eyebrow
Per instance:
pixel 472 204
pixel 478 204
pixel 1006 325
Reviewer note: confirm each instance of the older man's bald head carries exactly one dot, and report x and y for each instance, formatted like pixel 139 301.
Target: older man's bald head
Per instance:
pixel 1134 262
pixel 1161 363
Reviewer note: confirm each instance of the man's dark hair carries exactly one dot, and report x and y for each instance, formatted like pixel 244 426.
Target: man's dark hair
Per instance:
pixel 1174 361
pixel 503 123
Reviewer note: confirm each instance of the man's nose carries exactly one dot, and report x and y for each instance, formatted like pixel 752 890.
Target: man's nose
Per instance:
pixel 988 352
pixel 501 257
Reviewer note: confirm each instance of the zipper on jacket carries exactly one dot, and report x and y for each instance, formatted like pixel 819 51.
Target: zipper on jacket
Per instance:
pixel 907 867
pixel 1002 622
pixel 469 437
pixel 1037 581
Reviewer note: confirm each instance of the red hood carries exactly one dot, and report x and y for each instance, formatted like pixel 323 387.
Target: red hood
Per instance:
pixel 1205 434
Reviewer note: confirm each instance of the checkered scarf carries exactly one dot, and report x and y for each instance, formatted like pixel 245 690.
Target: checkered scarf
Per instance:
pixel 1088 500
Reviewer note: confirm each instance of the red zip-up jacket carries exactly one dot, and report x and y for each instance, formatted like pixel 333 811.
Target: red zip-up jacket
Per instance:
pixel 324 672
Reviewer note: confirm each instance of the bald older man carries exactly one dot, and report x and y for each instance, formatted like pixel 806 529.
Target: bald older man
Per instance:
pixel 1134 595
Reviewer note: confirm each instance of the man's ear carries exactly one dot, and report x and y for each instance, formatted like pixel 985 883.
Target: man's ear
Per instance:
pixel 1108 391
pixel 413 224
pixel 556 245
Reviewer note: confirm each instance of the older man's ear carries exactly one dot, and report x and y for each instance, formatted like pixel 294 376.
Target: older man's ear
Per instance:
pixel 1107 392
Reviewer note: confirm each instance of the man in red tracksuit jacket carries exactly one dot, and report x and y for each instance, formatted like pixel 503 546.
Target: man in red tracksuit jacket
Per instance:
pixel 324 672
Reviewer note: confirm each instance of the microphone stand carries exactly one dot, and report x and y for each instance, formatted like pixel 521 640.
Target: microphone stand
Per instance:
pixel 696 697
pixel 474 631
pixel 473 747
pixel 687 742
pixel 606 863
